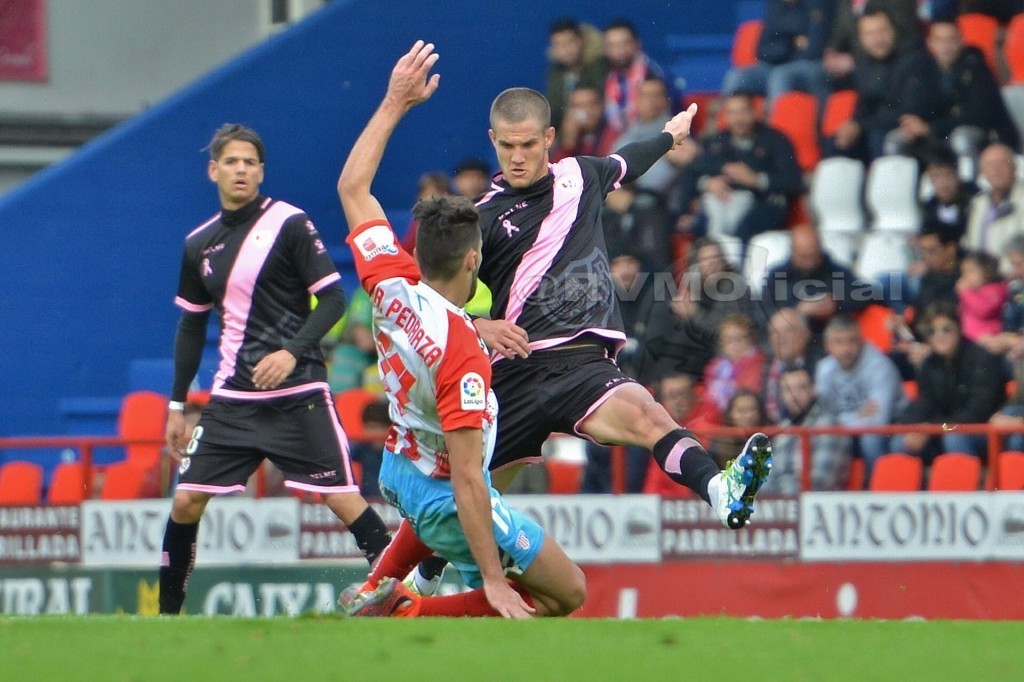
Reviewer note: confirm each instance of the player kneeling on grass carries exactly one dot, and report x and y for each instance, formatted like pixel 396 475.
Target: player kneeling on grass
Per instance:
pixel 437 375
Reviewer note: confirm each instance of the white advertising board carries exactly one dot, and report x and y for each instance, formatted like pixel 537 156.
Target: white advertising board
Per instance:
pixel 233 531
pixel 598 529
pixel 911 526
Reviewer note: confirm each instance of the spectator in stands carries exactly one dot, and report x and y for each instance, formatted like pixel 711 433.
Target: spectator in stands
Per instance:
pixel 890 85
pixel 585 131
pixel 575 56
pixel 1010 345
pixel 747 174
pixel 635 290
pixel 745 411
pixel 997 214
pixel 789 52
pixel 653 110
pixel 789 338
pixel 934 277
pixel 638 213
pixel 959 383
pixel 839 59
pixel 680 333
pixel 972 112
pixel 629 66
pixel 739 363
pixel 830 454
pixel 678 395
pixel 951 201
pixel 351 348
pixel 983 294
pixel 432 184
pixel 376 422
pixel 814 284
pixel 859 384
pixel 471 178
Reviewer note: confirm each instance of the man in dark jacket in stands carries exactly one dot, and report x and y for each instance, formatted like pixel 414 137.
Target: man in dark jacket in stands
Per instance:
pixel 843 47
pixel 972 112
pixel 890 85
pixel 814 284
pixel 958 383
pixel 747 174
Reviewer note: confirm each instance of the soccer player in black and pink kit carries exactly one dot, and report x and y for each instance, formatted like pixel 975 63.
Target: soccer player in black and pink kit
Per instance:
pixel 257 261
pixel 555 325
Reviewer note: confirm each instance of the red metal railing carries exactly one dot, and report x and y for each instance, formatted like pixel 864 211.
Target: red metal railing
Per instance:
pixel 994 434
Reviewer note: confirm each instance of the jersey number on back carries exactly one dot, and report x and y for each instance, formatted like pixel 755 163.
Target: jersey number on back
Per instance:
pixel 397 378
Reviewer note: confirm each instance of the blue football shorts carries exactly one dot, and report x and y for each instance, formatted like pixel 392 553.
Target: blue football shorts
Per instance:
pixel 429 505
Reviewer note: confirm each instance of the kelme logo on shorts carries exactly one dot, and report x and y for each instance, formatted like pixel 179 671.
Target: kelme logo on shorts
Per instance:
pixel 186 462
pixel 472 394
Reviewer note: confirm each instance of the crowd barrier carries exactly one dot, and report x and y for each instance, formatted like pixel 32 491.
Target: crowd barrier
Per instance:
pixel 85 446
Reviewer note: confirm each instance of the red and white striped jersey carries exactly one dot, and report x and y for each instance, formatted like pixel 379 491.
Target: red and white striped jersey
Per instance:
pixel 433 364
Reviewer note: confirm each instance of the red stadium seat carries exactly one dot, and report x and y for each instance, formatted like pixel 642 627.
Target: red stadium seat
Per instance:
pixel 896 472
pixel 21 483
pixel 874 326
pixel 981 31
pixel 910 389
pixel 796 115
pixel 143 418
pixel 564 478
pixel 856 480
pixel 1011 471
pixel 123 481
pixel 68 484
pixel 350 405
pixel 1013 49
pixel 744 43
pixel 954 472
pixel 839 108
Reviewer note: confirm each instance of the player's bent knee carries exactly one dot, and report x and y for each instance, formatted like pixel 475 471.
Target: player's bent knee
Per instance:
pixel 188 506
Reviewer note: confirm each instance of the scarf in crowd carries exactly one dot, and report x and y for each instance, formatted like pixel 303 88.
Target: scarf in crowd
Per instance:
pixel 620 92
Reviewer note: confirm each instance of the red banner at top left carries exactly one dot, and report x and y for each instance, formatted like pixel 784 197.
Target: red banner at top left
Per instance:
pixel 23 40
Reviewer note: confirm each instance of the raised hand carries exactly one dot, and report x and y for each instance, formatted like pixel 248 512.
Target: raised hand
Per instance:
pixel 679 125
pixel 411 82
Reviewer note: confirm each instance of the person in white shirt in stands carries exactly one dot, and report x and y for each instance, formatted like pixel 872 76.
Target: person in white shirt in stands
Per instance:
pixel 996 214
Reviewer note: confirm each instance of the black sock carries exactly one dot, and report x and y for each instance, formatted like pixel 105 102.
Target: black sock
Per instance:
pixel 176 563
pixel 433 567
pixel 370 533
pixel 686 462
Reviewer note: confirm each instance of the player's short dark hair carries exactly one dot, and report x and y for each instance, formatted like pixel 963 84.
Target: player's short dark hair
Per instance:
pixel 563 24
pixel 516 105
pixel 624 24
pixel 448 228
pixel 230 132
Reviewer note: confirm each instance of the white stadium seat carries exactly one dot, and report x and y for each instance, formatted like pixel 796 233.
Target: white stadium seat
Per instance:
pixel 842 246
pixel 835 196
pixel 892 194
pixel 883 252
pixel 764 252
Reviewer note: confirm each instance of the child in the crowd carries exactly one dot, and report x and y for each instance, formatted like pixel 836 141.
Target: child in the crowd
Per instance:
pixel 982 294
pixel 739 363
pixel 746 411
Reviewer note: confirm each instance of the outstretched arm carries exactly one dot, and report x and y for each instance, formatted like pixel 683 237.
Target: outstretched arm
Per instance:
pixel 640 156
pixel 410 85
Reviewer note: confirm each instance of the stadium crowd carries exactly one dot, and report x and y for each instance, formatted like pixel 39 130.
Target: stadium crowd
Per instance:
pixel 841 244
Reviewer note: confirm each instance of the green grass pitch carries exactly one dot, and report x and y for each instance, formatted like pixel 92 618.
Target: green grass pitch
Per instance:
pixel 307 649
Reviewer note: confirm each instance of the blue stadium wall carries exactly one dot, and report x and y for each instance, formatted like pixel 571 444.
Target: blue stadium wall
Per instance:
pixel 92 245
